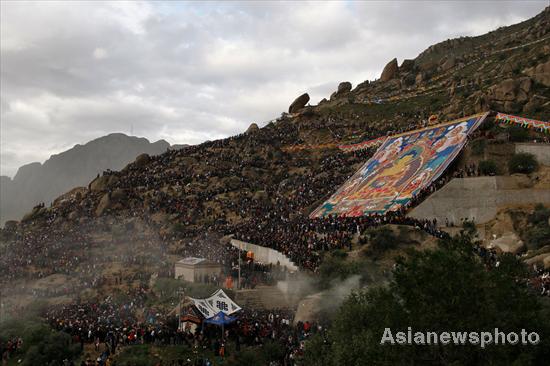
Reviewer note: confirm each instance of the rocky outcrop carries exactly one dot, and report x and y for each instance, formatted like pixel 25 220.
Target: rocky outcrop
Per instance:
pixel 299 103
pixel 407 66
pixel 509 93
pixel 390 71
pixel 343 89
pixel 540 73
pixel 252 128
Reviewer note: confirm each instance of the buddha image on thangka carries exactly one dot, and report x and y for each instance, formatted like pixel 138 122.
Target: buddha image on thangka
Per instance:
pixel 400 168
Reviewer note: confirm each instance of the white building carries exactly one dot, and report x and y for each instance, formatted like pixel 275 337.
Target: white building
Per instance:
pixel 194 269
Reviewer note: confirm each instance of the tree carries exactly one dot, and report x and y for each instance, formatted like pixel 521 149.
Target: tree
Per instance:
pixel 518 134
pixel 445 289
pixel 524 163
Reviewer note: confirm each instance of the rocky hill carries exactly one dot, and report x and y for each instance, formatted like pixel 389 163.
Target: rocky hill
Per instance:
pixel 35 183
pixel 272 177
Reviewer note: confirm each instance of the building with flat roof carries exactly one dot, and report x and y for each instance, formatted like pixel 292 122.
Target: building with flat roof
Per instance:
pixel 194 269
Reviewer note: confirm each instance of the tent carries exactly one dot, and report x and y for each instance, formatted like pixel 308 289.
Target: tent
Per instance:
pixel 221 319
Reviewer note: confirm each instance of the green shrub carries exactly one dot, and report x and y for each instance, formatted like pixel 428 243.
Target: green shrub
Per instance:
pixel 478 146
pixel 518 134
pixel 488 167
pixel 523 163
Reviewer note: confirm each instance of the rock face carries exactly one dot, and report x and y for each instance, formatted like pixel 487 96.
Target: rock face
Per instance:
pixel 390 70
pixel 299 103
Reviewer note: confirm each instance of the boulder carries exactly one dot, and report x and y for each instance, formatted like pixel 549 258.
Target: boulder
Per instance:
pixel 511 90
pixel 534 103
pixel 104 204
pixel 299 103
pixel 102 183
pixel 142 160
pixel 390 70
pixel 540 73
pixel 508 243
pixel 344 87
pixel 252 128
pixel 525 84
pixel 10 225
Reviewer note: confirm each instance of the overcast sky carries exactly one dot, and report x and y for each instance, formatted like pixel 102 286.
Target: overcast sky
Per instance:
pixel 190 72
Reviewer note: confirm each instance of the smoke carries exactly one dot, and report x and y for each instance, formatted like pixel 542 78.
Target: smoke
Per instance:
pixel 301 290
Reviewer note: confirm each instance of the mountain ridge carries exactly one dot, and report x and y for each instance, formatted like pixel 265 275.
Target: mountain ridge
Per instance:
pixel 38 182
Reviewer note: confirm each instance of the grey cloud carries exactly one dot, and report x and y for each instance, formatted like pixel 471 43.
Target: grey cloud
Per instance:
pixel 188 71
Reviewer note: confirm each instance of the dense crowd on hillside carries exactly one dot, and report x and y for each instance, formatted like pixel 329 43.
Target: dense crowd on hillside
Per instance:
pixel 110 326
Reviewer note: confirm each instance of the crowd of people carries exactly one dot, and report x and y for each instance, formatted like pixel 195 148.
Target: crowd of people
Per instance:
pixel 110 326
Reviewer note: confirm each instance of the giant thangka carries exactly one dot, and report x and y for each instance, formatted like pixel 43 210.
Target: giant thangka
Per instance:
pixel 403 166
pixel 218 301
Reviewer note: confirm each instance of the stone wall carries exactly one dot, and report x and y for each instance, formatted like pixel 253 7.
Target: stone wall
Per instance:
pixel 541 151
pixel 478 198
pixel 265 255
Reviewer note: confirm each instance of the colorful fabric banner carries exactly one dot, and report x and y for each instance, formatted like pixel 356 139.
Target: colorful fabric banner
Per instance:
pixel 363 145
pixel 403 166
pixel 524 122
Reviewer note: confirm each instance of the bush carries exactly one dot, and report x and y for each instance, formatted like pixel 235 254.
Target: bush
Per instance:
pixel 488 167
pixel 478 146
pixel 538 236
pixel 518 134
pixel 523 163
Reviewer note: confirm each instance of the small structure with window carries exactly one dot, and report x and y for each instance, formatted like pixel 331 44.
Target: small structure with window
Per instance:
pixel 194 269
